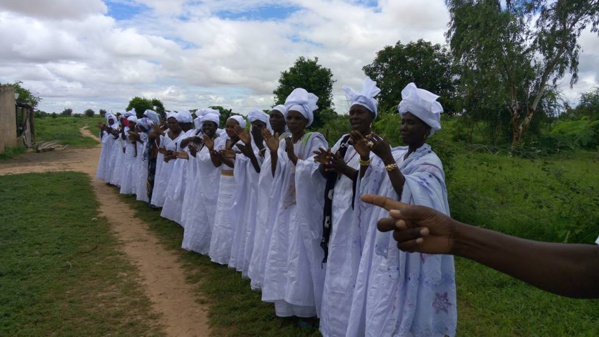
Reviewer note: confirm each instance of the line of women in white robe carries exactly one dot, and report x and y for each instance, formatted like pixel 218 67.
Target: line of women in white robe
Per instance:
pixel 277 204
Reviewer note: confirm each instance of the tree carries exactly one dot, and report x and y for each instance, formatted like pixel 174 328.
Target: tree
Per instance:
pixel 89 113
pixel 67 112
pixel 102 112
pixel 307 74
pixel 512 53
pixel 25 96
pixel 588 105
pixel 429 66
pixel 141 104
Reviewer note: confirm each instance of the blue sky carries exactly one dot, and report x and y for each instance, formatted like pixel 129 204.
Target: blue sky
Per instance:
pixel 197 53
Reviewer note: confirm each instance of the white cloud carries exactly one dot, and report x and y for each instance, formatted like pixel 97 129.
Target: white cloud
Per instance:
pixel 74 55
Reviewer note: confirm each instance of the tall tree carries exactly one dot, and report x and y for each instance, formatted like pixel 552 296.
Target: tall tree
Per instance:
pixel 141 104
pixel 513 52
pixel 313 77
pixel 25 95
pixel 427 65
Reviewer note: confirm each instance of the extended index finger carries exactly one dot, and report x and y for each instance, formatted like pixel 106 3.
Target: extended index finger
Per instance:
pixel 381 201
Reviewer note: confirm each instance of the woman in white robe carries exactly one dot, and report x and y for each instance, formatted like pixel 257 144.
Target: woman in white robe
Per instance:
pixel 290 281
pixel 223 153
pixel 128 164
pixel 199 222
pixel 398 293
pixel 247 173
pixel 341 166
pixel 267 196
pixel 173 203
pixel 107 137
pixel 167 146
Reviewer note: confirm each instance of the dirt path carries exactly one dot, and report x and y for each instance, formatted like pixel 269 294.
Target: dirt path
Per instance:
pixel 160 271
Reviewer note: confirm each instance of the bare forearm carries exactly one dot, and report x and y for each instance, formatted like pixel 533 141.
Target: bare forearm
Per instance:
pixel 565 269
pixel 395 175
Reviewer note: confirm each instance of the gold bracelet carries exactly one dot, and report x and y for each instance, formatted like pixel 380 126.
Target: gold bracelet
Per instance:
pixel 364 162
pixel 391 167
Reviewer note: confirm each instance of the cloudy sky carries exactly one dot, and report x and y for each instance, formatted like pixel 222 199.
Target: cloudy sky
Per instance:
pixel 98 54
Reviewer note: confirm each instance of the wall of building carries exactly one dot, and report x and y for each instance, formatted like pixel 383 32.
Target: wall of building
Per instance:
pixel 8 118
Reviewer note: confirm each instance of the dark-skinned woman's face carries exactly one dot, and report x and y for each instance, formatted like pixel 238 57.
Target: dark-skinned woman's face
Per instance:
pixel 173 125
pixel 230 127
pixel 360 118
pixel 413 129
pixel 277 121
pixel 209 128
pixel 296 122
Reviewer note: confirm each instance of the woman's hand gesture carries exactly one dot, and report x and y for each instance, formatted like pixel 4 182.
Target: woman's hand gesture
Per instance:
pixel 361 144
pixel 209 142
pixel 243 134
pixel 290 150
pixel 272 142
pixel 380 147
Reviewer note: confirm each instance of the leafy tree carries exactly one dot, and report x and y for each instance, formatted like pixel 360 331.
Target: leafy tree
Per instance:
pixel 25 95
pixel 89 113
pixel 141 104
pixel 429 66
pixel 307 74
pixel 102 112
pixel 512 53
pixel 588 105
pixel 67 112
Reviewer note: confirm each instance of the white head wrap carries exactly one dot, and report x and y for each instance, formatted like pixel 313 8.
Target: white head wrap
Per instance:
pixel 280 108
pixel 364 98
pixel 197 122
pixel 132 119
pixel 239 120
pixel 109 116
pixel 183 116
pixel 302 101
pixel 152 115
pixel 212 117
pixel 131 112
pixel 146 123
pixel 171 115
pixel 258 115
pixel 422 104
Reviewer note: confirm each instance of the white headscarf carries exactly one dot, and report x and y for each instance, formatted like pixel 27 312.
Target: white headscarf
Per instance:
pixel 302 101
pixel 129 113
pixel 212 117
pixel 422 104
pixel 183 116
pixel 239 120
pixel 132 119
pixel 364 98
pixel 280 108
pixel 146 123
pixel 109 116
pixel 258 115
pixel 152 115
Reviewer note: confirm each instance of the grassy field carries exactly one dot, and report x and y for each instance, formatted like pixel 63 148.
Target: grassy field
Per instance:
pixel 61 273
pixel 66 130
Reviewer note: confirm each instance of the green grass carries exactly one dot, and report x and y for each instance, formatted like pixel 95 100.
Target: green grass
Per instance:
pixel 65 130
pixel 235 310
pixel 11 152
pixel 61 273
pixel 550 199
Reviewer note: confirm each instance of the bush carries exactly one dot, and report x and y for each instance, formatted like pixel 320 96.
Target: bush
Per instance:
pixel 89 113
pixel 67 112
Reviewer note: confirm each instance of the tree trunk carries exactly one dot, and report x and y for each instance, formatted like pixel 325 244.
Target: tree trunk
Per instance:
pixel 519 127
